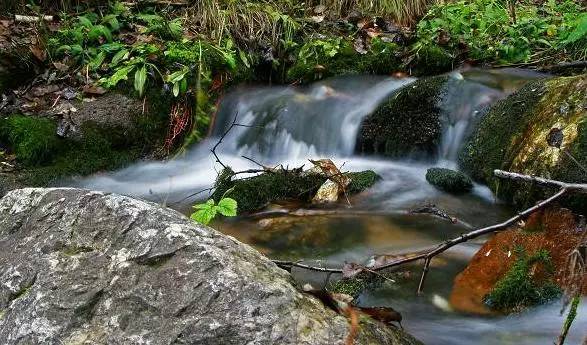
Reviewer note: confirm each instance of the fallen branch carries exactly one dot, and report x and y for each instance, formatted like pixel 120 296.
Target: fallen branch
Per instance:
pixel 32 19
pixel 427 256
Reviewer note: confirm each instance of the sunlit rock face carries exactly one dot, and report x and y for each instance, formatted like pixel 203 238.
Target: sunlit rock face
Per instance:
pixel 554 230
pixel 539 130
pixel 82 267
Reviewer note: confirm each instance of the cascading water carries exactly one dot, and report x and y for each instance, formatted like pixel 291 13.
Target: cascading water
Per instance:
pixel 290 124
pixel 280 125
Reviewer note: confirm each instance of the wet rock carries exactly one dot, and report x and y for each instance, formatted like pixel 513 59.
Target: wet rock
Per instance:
pixel 554 230
pixel 517 135
pixel 450 181
pixel 93 268
pixel 407 124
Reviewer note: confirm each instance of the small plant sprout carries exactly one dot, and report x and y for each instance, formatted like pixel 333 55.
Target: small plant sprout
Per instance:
pixel 207 211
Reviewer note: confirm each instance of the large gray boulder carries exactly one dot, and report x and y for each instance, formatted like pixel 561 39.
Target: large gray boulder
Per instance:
pixel 82 267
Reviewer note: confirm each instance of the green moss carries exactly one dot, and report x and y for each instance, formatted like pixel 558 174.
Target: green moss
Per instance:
pixel 256 192
pixel 449 180
pixel 352 286
pixel 47 158
pixel 432 60
pixel 362 180
pixel 33 140
pixel 517 290
pixel 408 123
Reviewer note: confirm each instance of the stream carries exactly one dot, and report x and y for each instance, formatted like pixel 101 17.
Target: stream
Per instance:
pixel 288 125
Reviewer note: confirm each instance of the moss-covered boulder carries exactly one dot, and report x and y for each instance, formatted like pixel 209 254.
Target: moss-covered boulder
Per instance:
pixel 407 124
pixel 513 136
pixel 450 181
pixel 256 192
pixel 43 156
pixel 521 267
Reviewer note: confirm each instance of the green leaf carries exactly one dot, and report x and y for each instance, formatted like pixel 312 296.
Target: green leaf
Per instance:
pixel 97 61
pixel 176 89
pixel 227 207
pixel 118 76
pixel 120 56
pixel 85 22
pixel 207 204
pixel 204 216
pixel 140 79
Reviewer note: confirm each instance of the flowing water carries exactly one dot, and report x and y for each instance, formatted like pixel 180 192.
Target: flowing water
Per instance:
pixel 288 125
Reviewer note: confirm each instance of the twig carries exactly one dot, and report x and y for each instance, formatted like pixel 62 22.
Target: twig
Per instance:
pixel 576 187
pixel 222 138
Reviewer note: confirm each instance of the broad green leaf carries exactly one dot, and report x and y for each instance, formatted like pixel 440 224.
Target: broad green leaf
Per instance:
pixel 183 85
pixel 208 204
pixel 227 207
pixel 176 89
pixel 204 215
pixel 140 79
pixel 97 61
pixel 85 22
pixel 244 58
pixel 118 76
pixel 120 56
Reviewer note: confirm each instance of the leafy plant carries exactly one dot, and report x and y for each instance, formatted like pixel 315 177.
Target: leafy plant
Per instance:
pixel 207 211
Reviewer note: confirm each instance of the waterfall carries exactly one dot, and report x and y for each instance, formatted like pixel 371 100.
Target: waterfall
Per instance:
pixel 288 124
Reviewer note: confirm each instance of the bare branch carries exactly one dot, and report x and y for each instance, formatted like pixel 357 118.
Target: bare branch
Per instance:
pixel 428 255
pixel 576 187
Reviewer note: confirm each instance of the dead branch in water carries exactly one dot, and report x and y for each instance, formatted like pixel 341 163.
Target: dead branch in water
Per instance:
pixel 428 255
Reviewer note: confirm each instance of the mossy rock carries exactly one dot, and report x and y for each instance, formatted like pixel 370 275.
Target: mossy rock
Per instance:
pixel 518 289
pixel 408 123
pixel 44 158
pixel 33 140
pixel 256 192
pixel 450 181
pixel 512 136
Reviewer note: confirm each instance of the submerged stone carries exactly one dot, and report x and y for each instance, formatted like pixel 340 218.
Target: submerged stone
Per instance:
pixel 87 267
pixel 450 181
pixel 540 130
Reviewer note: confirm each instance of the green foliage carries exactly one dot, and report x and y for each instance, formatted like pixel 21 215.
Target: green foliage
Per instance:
pixel 207 211
pixel 34 140
pixel 321 58
pixel 517 290
pixel 484 30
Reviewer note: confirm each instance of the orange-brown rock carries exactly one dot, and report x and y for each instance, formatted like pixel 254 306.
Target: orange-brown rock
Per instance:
pixel 556 230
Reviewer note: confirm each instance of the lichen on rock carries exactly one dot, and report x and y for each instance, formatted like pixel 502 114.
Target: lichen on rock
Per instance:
pixel 88 267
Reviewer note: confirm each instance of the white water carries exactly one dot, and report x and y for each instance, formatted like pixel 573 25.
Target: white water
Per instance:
pixel 289 125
